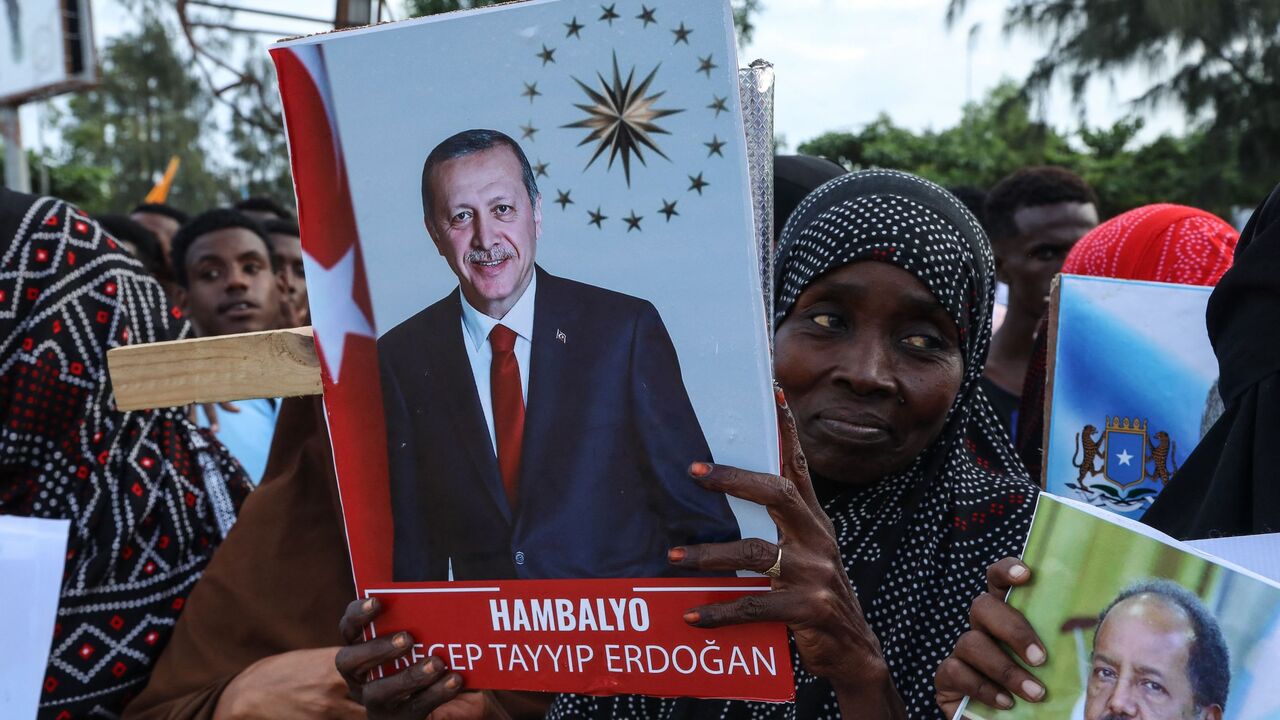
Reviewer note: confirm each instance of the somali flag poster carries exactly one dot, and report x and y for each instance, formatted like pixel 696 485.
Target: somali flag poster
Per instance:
pixel 1132 378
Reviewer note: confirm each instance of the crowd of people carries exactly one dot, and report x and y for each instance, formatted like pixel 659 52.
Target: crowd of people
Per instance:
pixel 904 411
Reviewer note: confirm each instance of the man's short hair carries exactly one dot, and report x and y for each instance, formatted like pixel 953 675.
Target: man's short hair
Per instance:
pixel 168 211
pixel 469 142
pixel 282 227
pixel 1208 663
pixel 263 204
pixel 973 198
pixel 149 252
pixel 205 223
pixel 1032 187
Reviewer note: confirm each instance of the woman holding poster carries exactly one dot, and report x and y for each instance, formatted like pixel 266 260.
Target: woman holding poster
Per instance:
pixel 905 490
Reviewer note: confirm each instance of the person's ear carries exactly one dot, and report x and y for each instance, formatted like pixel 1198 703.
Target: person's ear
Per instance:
pixel 431 233
pixel 182 298
pixel 537 217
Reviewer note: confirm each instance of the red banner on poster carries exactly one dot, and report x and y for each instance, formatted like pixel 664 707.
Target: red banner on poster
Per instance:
pixel 596 637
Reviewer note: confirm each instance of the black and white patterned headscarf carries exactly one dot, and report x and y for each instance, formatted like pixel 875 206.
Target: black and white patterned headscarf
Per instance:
pixel 916 544
pixel 149 495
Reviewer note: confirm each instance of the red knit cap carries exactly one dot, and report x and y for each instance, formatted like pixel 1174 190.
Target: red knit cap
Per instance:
pixel 1161 243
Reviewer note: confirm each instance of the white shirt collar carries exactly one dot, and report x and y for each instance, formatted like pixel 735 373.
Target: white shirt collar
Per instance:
pixel 519 318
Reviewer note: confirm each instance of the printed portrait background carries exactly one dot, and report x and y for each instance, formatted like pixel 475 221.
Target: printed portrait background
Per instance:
pixel 661 213
pixel 1080 563
pixel 1126 349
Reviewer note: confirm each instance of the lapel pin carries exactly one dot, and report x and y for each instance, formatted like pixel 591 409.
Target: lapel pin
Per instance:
pixel 561 336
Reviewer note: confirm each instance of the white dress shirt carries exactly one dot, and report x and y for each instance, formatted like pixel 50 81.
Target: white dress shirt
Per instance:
pixel 475 336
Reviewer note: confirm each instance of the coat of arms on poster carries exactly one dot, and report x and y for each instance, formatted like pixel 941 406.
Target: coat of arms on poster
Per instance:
pixel 1127 396
pixel 539 301
pixel 1127 456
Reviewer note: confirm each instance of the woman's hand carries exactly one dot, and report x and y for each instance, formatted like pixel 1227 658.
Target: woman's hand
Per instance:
pixel 425 689
pixel 810 593
pixel 981 666
pixel 301 684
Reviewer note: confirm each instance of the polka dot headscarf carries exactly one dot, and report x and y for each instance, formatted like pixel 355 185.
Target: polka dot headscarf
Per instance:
pixel 916 545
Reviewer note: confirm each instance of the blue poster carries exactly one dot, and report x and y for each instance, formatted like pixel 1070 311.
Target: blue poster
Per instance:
pixel 1130 378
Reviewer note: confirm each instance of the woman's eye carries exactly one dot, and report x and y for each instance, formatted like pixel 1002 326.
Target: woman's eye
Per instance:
pixel 924 342
pixel 829 321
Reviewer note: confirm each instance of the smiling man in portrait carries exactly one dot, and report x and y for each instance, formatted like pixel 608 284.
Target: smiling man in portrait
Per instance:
pixel 537 427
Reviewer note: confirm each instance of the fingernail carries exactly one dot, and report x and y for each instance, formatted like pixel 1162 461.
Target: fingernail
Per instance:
pixel 1017 571
pixel 692 617
pixel 700 469
pixel 1032 689
pixel 453 683
pixel 367 606
pixel 432 665
pixel 779 396
pixel 1035 655
pixel 676 555
pixel 1004 701
pixel 400 640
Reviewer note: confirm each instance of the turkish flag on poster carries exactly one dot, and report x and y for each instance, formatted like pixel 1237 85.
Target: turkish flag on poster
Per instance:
pixel 340 304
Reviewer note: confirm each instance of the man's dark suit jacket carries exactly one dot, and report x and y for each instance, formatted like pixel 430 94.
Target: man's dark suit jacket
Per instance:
pixel 609 434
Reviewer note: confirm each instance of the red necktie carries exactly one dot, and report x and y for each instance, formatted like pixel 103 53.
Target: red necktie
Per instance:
pixel 508 407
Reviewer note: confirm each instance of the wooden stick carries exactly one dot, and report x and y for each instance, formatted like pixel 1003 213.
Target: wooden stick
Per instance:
pixel 275 363
pixel 1051 363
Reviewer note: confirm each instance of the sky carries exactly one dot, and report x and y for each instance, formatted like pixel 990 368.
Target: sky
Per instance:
pixel 840 63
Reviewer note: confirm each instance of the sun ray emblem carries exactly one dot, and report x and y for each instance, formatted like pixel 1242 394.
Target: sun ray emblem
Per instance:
pixel 622 118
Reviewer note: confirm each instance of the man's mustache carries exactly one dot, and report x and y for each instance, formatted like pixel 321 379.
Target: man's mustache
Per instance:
pixel 497 254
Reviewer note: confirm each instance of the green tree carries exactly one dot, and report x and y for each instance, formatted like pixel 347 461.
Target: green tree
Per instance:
pixel 147 108
pixel 998 135
pixel 1219 61
pixel 743 11
pixel 257 134
pixel 992 138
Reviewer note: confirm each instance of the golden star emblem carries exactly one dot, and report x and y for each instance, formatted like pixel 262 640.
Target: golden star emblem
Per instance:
pixel 622 118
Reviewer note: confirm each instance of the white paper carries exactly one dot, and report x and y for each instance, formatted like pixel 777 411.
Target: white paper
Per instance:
pixel 33 552
pixel 1259 553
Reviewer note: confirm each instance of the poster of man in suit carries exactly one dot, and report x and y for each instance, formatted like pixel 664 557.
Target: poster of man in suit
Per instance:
pixel 551 252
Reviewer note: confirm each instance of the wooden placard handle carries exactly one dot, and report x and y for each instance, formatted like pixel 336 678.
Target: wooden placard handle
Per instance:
pixel 1055 302
pixel 275 363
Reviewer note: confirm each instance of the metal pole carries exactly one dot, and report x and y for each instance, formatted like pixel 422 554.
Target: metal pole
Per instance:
pixel 968 62
pixel 16 175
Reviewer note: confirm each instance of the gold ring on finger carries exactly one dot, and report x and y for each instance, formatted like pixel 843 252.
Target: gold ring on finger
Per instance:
pixel 776 569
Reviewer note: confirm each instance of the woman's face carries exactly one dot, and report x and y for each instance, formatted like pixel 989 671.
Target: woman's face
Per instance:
pixel 870 363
